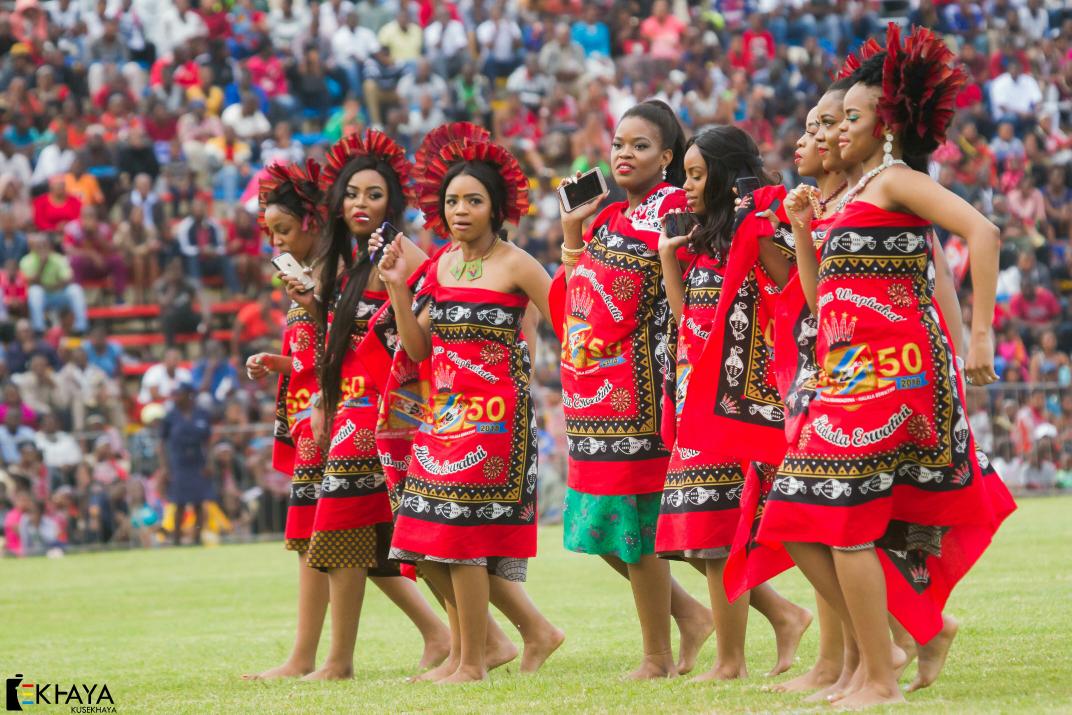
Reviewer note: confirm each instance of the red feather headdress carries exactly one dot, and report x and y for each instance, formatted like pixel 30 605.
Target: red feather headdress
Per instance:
pixel 852 62
pixel 920 83
pixel 461 141
pixel 369 143
pixel 305 181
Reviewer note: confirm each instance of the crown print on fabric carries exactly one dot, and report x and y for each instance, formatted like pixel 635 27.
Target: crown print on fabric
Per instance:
pixel 581 302
pixel 444 377
pixel 839 332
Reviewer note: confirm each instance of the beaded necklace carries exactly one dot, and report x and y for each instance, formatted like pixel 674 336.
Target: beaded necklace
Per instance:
pixel 864 181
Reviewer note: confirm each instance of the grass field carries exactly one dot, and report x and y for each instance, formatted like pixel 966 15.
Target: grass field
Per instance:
pixel 172 630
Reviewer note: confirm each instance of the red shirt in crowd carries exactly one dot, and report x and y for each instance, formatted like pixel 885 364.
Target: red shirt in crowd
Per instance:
pixel 268 74
pixel 1042 309
pixel 51 217
pixel 756 44
pixel 253 325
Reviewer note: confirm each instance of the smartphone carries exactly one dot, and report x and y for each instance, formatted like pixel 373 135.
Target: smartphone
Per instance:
pixel 587 188
pixel 679 224
pixel 389 233
pixel 288 265
pixel 746 185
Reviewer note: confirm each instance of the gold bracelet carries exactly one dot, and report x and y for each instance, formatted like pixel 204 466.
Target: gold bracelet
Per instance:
pixel 566 250
pixel 570 259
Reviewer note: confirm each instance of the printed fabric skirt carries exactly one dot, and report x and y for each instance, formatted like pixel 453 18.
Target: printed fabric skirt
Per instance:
pixel 365 547
pixel 611 525
pixel 304 488
pixel 352 525
pixel 508 568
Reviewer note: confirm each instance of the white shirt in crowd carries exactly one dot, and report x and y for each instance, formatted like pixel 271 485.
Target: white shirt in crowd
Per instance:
pixel 52 161
pixel 1014 96
pixel 445 41
pixel 498 38
pixel 157 377
pixel 253 126
pixel 356 44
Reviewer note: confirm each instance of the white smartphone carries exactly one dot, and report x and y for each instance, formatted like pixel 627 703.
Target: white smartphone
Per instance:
pixel 588 187
pixel 288 265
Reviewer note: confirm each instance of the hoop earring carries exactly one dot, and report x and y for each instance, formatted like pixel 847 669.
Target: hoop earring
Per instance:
pixel 887 149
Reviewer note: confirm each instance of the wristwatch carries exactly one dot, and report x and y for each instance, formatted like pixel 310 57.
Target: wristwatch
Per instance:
pixel 315 400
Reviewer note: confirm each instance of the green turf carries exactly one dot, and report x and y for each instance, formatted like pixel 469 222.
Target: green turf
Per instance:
pixel 171 630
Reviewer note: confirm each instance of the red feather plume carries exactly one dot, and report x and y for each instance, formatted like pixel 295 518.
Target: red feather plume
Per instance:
pixel 920 83
pixel 461 141
pixel 369 143
pixel 305 181
pixel 853 62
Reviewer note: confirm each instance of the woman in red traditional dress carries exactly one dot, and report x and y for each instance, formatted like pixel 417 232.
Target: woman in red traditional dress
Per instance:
pixel 885 457
pixel 700 503
pixel 292 215
pixel 467 512
pixel 612 316
pixel 367 182
pixel 817 156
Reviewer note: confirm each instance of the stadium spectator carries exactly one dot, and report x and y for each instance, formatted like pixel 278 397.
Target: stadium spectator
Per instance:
pixel 13 432
pixel 499 39
pixel 50 277
pixel 203 245
pixel 93 255
pixel 53 209
pixel 161 380
pixel 255 327
pixel 184 308
pixel 214 375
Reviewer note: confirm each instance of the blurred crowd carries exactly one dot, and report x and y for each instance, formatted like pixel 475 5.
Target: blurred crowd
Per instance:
pixel 133 133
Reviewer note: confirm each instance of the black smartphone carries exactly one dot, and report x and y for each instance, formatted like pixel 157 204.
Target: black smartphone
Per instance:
pixel 746 185
pixel 389 233
pixel 588 187
pixel 679 224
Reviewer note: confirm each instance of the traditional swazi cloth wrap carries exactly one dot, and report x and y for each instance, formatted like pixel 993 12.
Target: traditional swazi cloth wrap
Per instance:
pixel 470 489
pixel 885 453
pixel 751 562
pixel 612 319
pixel 698 511
pixel 735 414
pixel 403 387
pixel 294 450
pixel 353 493
pixel 744 410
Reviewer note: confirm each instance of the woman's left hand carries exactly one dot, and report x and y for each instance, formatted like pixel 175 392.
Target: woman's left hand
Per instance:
pixel 979 370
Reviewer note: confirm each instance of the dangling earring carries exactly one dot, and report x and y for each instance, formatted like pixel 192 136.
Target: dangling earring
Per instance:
pixel 664 173
pixel 887 149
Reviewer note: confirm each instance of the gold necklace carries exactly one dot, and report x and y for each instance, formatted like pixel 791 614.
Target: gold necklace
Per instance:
pixel 471 270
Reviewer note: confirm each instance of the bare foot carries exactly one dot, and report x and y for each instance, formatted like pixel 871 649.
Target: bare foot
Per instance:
pixel 654 668
pixel 287 670
pixel 835 689
pixel 932 656
pixel 500 653
pixel 537 650
pixel 905 642
pixel 331 672
pixel 722 672
pixel 695 629
pixel 870 695
pixel 444 669
pixel 822 675
pixel 464 675
pixel 897 656
pixel 435 652
pixel 787 635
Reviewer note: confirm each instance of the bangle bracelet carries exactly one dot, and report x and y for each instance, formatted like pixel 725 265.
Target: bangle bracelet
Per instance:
pixel 573 251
